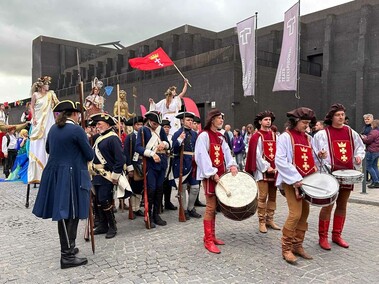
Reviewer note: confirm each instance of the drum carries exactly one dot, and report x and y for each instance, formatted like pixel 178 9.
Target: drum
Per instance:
pixel 237 196
pixel 348 176
pixel 320 189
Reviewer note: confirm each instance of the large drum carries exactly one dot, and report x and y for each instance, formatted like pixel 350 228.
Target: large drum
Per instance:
pixel 237 195
pixel 320 189
pixel 348 176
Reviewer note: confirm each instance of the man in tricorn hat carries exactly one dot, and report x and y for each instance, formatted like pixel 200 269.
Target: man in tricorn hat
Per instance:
pixel 294 161
pixel 134 165
pixel 345 150
pixel 213 158
pixel 153 144
pixel 65 186
pixel 185 137
pixel 108 165
pixel 260 162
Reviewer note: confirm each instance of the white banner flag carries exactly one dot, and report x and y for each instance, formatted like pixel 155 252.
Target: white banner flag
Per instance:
pixel 246 40
pixel 286 75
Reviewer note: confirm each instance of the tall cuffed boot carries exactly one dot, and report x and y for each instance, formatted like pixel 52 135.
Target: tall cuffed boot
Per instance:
pixel 208 237
pixel 297 245
pixel 270 219
pixel 72 228
pixel 338 223
pixel 156 210
pixel 215 240
pixel 112 228
pixel 102 227
pixel 287 239
pixel 151 205
pixel 262 219
pixel 167 199
pixel 323 228
pixel 68 258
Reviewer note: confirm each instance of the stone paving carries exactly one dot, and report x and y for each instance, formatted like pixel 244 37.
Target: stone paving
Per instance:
pixel 175 253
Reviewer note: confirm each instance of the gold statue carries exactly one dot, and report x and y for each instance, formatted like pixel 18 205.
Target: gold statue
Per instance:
pixel 124 107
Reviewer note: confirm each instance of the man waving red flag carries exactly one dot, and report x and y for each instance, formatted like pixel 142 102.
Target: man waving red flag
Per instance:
pixel 155 60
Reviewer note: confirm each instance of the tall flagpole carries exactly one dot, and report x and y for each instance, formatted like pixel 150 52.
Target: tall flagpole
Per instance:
pixel 297 94
pixel 256 59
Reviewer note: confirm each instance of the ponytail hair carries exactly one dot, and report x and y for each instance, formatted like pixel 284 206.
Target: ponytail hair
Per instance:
pixel 62 118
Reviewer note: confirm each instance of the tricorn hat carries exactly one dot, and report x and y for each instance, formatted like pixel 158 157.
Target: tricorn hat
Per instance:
pixel 103 117
pixel 165 122
pixel 154 115
pixel 261 116
pixel 183 114
pixel 133 120
pixel 333 109
pixel 196 119
pixel 302 113
pixel 67 105
pixel 213 113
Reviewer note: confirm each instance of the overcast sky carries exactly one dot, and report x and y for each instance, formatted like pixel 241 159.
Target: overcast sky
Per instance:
pixel 100 21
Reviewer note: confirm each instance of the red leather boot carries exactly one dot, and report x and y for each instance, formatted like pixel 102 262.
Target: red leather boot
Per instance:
pixel 215 240
pixel 338 223
pixel 323 227
pixel 208 237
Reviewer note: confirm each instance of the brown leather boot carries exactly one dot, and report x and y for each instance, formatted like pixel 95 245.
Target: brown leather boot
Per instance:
pixel 287 246
pixel 262 227
pixel 262 219
pixel 323 228
pixel 270 220
pixel 297 245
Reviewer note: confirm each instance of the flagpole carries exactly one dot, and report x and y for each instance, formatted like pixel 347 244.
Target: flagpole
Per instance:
pixel 182 75
pixel 297 94
pixel 118 110
pixel 256 59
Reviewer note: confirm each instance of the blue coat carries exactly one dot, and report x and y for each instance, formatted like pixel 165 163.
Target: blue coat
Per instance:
pixel 65 182
pixel 189 146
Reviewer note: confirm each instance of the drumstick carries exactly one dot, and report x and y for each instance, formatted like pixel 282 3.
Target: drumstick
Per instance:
pixel 227 191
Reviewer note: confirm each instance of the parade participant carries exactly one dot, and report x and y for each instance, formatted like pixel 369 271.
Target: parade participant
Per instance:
pixel 94 102
pixel 152 143
pixel 20 166
pixel 260 162
pixel 3 114
pixel 345 150
pixel 124 107
pixel 41 107
pixel 9 148
pixel 134 165
pixel 170 106
pixel 294 160
pixel 65 184
pixel 167 185
pixel 107 165
pixel 213 158
pixel 185 137
pixel 196 127
pixel 120 128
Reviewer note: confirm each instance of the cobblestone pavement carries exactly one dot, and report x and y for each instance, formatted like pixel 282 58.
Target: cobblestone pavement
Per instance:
pixel 175 253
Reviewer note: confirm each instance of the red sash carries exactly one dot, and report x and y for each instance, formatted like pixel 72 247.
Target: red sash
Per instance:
pixel 217 157
pixel 302 153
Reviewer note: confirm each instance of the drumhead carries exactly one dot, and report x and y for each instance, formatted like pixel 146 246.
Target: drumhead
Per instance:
pixel 347 173
pixel 327 185
pixel 243 189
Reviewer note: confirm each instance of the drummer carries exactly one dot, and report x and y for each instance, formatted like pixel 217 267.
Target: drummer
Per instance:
pixel 213 158
pixel 294 160
pixel 345 150
pixel 260 162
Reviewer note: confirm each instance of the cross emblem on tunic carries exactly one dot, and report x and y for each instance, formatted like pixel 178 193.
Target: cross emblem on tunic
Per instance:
pixel 305 166
pixel 343 151
pixel 217 161
pixel 271 156
pixel 344 158
pixel 304 157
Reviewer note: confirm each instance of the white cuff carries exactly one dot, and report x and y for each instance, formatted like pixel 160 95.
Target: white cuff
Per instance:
pixel 115 176
pixel 130 168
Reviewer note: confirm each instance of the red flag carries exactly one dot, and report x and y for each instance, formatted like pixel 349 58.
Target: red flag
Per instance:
pixel 155 60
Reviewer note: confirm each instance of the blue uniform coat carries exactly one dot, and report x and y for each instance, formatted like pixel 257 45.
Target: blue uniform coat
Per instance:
pixel 65 182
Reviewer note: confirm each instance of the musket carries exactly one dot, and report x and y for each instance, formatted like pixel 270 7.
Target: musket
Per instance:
pixel 182 217
pixel 146 200
pixel 89 224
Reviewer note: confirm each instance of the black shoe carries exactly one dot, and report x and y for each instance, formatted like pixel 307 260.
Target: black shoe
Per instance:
pixel 68 259
pixel 139 213
pixel 101 229
pixel 170 206
pixel 76 250
pixel 111 233
pixel 158 220
pixel 199 204
pixel 194 214
pixel 374 185
pixel 186 214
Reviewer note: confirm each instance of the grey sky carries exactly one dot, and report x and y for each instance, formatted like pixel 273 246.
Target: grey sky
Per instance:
pixel 100 21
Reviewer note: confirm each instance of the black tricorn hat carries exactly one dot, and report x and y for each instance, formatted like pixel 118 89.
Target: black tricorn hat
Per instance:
pixel 103 117
pixel 154 115
pixel 67 105
pixel 122 118
pixel 303 113
pixel 133 120
pixel 165 122
pixel 261 116
pixel 183 114
pixel 196 119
